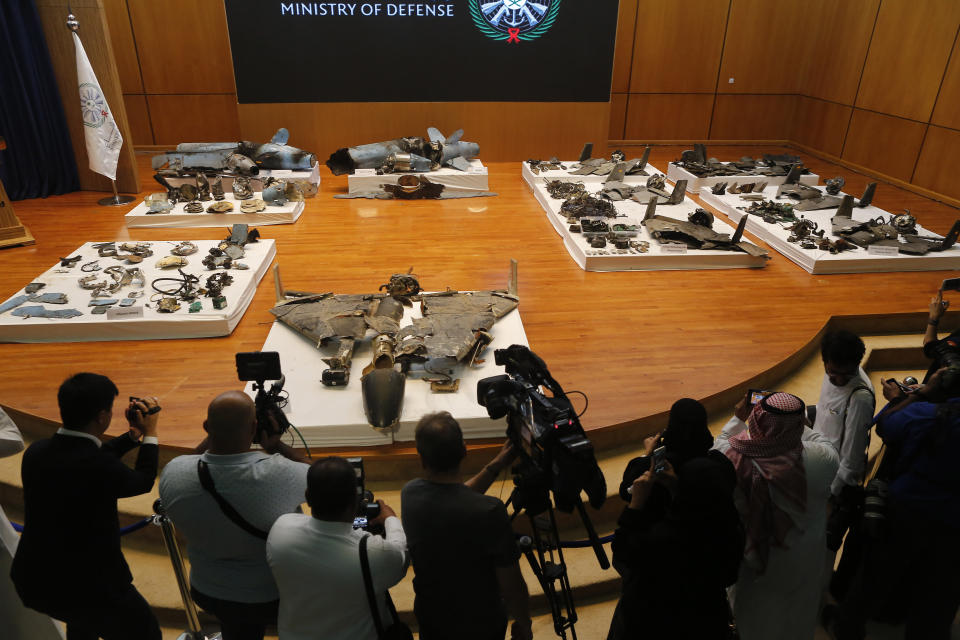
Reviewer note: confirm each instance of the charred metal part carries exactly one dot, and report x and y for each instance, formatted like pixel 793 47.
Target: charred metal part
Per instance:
pixel 14 302
pixel 414 153
pixel 33 287
pixel 772 212
pixel 575 228
pixel 220 207
pixel 237 158
pixel 184 248
pixel 91 266
pixel 656 189
pixel 598 242
pixel 242 189
pixel 216 283
pixel 193 207
pixel 904 223
pixel 203 187
pixel 561 190
pixel 553 164
pixel 41 312
pixel 382 391
pixel 158 203
pixel 168 305
pixel 188 192
pixel 255 205
pixel 216 189
pixel 592 226
pixel 183 288
pixel 141 249
pixel 279 192
pixel 602 167
pixel 91 282
pixel 105 249
pixel 697 162
pixel 70 262
pixel 217 261
pixel 834 185
pixel 719 188
pixel 582 205
pixel 103 303
pixel 701 217
pixel 49 298
pixel 812 199
pixel 670 230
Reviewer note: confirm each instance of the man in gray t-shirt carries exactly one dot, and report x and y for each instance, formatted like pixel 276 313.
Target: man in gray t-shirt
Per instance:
pixel 229 575
pixel 464 552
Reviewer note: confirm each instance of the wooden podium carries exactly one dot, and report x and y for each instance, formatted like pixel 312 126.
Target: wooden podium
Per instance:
pixel 12 232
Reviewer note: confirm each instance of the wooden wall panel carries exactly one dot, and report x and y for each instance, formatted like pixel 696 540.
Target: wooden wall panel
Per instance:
pixel 95 36
pixel 884 143
pixel 821 125
pixel 672 116
pixel 124 47
pixel 947 111
pixel 618 115
pixel 936 169
pixel 678 46
pixel 505 130
pixel 623 54
pixel 184 46
pixel 753 117
pixel 841 40
pixel 140 130
pixel 908 55
pixel 764 47
pixel 196 118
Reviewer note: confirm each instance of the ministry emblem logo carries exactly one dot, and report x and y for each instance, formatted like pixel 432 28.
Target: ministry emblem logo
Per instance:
pixel 514 20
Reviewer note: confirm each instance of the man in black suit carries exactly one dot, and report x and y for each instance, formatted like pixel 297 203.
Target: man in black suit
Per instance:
pixel 69 564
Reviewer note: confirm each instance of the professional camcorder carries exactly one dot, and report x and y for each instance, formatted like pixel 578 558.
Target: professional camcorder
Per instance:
pixel 258 367
pixel 367 507
pixel 544 428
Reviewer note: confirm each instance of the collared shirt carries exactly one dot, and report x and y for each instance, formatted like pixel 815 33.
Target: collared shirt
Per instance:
pixel 226 562
pixel 63 431
pixel 317 567
pixel 11 441
pixel 845 420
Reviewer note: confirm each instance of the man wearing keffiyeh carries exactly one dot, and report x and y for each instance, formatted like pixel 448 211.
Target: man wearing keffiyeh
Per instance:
pixel 784 471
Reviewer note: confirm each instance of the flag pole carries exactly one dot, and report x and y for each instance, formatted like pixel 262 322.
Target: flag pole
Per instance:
pixel 116 199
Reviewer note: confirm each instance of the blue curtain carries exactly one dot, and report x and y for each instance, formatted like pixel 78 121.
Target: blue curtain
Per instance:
pixel 39 159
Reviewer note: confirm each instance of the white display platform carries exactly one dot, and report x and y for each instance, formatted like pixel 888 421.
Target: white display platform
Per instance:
pixel 534 179
pixel 823 262
pixel 475 178
pixel 334 417
pixel 177 217
pixel 256 182
pixel 658 257
pixel 694 184
pixel 152 325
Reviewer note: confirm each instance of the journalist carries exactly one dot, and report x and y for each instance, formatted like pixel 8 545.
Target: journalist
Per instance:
pixel 69 564
pixel 315 560
pixel 909 572
pixel 224 500
pixel 465 558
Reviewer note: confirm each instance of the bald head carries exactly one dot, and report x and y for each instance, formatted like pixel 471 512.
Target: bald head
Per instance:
pixel 440 442
pixel 231 422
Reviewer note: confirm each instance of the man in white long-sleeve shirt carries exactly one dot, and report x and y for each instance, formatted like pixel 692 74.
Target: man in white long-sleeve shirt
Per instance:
pixel 844 414
pixel 316 560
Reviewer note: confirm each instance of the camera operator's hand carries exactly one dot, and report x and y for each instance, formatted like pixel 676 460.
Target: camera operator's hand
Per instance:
pixel 506 455
pixel 270 438
pixel 521 630
pixel 650 443
pixel 385 512
pixel 890 390
pixel 142 416
pixel 938 306
pixel 743 408
pixel 668 476
pixel 640 490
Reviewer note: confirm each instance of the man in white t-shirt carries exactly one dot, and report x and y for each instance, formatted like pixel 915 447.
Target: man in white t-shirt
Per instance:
pixel 844 415
pixel 316 560
pixel 229 575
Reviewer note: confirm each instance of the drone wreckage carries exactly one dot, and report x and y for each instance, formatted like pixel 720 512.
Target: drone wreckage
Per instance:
pixel 455 328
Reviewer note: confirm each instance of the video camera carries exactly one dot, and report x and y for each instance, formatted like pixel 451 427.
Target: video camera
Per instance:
pixel 545 429
pixel 258 367
pixel 367 507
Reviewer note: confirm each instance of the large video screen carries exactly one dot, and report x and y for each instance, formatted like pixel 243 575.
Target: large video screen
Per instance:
pixel 422 50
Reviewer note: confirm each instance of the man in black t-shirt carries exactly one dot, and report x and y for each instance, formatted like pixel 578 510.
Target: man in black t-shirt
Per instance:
pixel 464 552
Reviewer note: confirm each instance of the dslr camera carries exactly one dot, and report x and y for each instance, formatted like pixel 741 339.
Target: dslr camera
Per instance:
pixel 367 508
pixel 258 367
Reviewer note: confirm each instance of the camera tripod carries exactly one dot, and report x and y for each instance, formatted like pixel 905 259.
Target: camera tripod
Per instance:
pixel 543 550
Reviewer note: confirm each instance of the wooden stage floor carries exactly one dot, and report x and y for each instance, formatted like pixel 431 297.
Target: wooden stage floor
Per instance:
pixel 633 342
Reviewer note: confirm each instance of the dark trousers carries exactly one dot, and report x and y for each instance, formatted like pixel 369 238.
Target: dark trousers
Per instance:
pixel 239 620
pixel 912 572
pixel 118 616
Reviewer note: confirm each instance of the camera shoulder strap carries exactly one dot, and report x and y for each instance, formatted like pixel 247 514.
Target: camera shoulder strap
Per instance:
pixel 368 584
pixel 206 481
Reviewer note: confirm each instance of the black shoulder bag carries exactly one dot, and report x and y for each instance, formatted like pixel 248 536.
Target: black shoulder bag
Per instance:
pixel 206 481
pixel 397 630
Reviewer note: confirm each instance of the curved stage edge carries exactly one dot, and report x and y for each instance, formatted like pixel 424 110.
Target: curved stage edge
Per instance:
pixel 632 341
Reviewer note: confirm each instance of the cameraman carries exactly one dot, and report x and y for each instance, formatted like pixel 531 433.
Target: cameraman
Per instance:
pixel 226 533
pixel 314 560
pixel 465 556
pixel 919 554
pixel 69 564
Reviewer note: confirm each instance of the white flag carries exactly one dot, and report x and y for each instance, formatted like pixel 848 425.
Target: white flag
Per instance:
pixel 103 136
